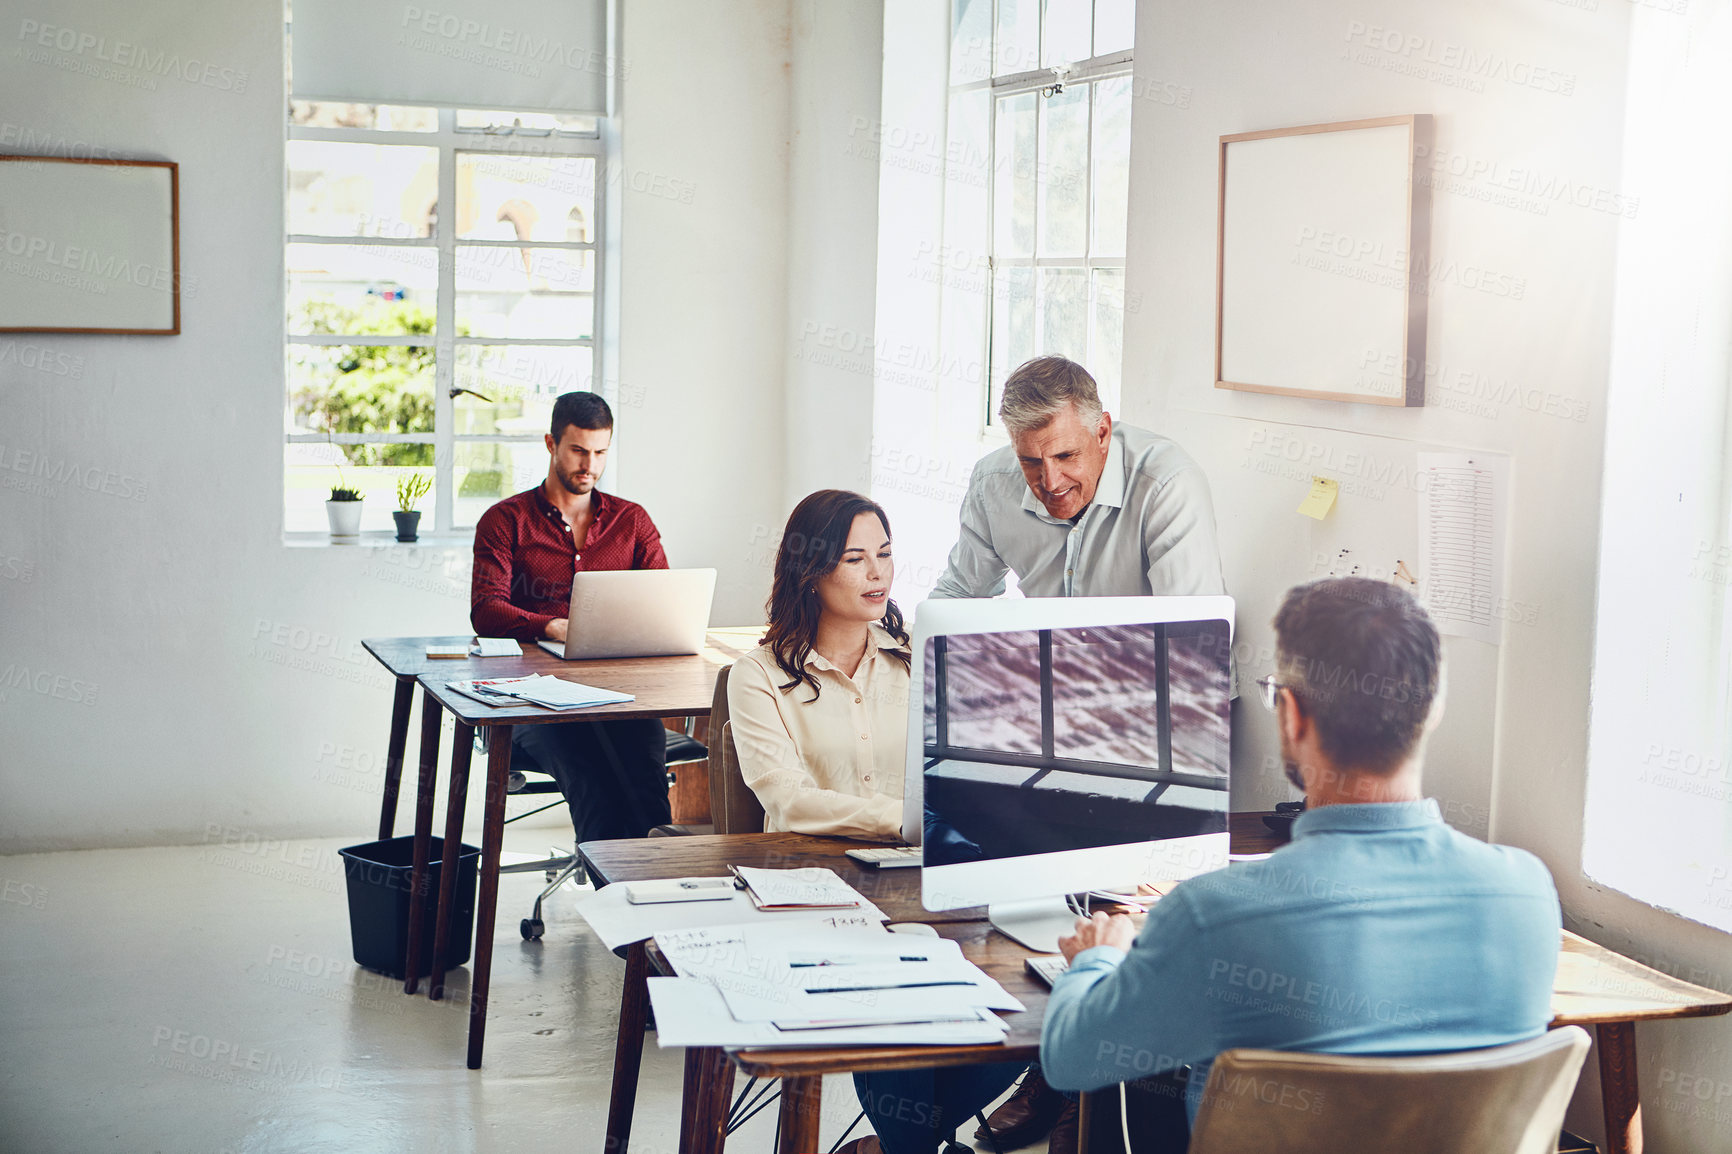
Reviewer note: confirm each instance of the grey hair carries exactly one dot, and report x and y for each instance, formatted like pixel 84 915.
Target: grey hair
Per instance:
pixel 1038 389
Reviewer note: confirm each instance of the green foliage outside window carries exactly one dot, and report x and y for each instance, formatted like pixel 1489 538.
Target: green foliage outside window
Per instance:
pixel 366 388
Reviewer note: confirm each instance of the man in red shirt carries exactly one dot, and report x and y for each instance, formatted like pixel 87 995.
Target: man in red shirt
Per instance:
pixel 613 773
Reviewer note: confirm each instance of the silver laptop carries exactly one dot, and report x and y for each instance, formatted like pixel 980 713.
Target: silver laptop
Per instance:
pixel 636 613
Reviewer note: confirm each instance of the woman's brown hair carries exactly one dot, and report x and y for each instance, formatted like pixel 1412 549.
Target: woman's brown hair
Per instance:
pixel 811 548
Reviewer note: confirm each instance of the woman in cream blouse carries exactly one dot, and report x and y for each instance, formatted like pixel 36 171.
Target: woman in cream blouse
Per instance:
pixel 820 716
pixel 820 709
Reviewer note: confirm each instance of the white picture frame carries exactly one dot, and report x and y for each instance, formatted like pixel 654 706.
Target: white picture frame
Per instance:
pixel 89 246
pixel 1321 262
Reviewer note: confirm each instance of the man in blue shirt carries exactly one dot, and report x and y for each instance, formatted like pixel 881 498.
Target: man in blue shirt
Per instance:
pixel 1379 930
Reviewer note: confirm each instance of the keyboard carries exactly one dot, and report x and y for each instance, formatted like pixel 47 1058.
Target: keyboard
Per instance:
pixel 1046 967
pixel 887 857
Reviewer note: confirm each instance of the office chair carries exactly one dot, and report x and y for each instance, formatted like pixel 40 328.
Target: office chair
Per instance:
pixel 559 866
pixel 1502 1100
pixel 734 807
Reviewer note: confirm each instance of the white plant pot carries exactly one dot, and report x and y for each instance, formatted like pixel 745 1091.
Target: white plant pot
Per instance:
pixel 345 518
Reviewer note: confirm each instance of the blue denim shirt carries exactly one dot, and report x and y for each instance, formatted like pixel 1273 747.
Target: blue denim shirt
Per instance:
pixel 1378 930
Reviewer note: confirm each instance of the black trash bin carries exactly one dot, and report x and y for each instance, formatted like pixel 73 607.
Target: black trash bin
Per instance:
pixel 378 875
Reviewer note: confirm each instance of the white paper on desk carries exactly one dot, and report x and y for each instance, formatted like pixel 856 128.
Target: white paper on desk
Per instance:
pixel 691 1012
pixel 617 922
pixel 803 886
pixel 752 966
pixel 558 693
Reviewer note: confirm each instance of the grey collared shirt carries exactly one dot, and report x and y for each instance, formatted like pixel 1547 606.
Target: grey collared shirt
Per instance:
pixel 1149 529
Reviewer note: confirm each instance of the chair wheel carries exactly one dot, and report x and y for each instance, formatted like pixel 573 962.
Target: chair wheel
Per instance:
pixel 532 929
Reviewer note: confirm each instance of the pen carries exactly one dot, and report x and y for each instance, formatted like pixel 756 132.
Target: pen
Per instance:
pixel 892 986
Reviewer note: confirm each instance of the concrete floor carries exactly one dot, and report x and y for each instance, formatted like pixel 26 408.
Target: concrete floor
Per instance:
pixel 203 999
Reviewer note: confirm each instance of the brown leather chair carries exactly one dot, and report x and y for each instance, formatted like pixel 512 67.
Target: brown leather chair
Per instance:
pixel 734 807
pixel 1501 1100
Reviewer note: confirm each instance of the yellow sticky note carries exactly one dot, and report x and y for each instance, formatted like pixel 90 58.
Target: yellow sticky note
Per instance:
pixel 1320 499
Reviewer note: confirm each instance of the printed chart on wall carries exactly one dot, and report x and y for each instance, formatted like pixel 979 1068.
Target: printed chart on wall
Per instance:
pixel 1462 503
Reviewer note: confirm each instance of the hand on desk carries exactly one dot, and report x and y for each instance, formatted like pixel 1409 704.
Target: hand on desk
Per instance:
pixel 1100 930
pixel 556 629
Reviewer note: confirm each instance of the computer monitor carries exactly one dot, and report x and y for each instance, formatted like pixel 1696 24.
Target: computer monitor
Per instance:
pixel 1061 745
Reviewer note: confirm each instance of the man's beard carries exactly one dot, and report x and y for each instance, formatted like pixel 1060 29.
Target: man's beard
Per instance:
pixel 572 485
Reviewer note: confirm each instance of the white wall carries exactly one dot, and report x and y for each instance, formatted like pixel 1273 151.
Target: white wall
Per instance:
pixel 221 673
pixel 1509 760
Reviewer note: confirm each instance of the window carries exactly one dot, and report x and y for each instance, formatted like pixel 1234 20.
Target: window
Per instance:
pixel 443 279
pixel 1036 179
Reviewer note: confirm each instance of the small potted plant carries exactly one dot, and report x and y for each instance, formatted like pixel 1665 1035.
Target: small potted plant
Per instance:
pixel 411 487
pixel 344 511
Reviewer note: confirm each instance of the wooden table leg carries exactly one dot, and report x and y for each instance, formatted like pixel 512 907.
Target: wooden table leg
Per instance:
pixel 709 1086
pixel 628 1048
pixel 450 856
pixel 431 714
pixel 487 903
pixel 394 748
pixel 1620 1094
pixel 802 1103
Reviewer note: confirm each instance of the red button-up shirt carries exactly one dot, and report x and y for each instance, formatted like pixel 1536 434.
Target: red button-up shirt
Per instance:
pixel 524 559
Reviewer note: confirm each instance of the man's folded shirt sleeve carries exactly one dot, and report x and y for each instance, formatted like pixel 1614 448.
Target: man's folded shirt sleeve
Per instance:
pixel 1115 1016
pixel 491 612
pixel 974 569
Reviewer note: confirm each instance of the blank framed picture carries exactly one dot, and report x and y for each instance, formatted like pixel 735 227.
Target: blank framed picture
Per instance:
pixel 89 246
pixel 1321 266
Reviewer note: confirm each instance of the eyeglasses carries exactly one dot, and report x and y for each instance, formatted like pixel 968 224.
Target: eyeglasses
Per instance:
pixel 1269 690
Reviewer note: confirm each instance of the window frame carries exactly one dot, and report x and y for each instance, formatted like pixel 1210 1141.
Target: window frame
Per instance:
pixel 1045 82
pixel 451 142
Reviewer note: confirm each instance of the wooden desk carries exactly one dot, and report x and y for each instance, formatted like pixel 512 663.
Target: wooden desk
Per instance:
pixel 661 687
pixel 1594 987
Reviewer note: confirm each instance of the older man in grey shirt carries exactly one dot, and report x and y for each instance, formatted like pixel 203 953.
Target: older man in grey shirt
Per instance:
pixel 1077 506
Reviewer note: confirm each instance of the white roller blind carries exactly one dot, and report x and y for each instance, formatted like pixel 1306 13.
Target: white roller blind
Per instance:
pixel 536 55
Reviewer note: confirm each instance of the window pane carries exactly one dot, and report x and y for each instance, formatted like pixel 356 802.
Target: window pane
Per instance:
pixel 966 174
pixel 525 197
pixel 484 474
pixel 1018 43
pixel 1198 688
pixel 1064 144
pixel 992 691
pixel 1064 314
pixel 364 389
pixel 1112 160
pixel 970 41
pixel 524 292
pixel 1115 25
pixel 385 117
pixel 1013 177
pixel 354 288
pixel 311 470
pixel 542 121
pixel 1066 36
pixel 520 382
pixel 340 189
pixel 1012 325
pixel 1107 333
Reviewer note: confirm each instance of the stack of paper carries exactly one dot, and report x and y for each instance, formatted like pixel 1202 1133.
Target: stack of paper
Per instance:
pixel 548 692
pixel 800 984
pixel 810 888
pixel 617 922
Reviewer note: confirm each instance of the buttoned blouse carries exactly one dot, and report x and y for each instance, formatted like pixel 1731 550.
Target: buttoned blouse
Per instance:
pixel 829 766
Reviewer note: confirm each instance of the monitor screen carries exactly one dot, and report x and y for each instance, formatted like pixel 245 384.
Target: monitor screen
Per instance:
pixel 1086 747
pixel 1058 739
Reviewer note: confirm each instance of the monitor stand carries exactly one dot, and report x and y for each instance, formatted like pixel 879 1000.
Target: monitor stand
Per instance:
pixel 1037 924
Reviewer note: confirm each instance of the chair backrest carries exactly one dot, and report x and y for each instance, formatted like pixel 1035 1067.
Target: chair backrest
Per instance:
pixel 1502 1100
pixel 734 807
